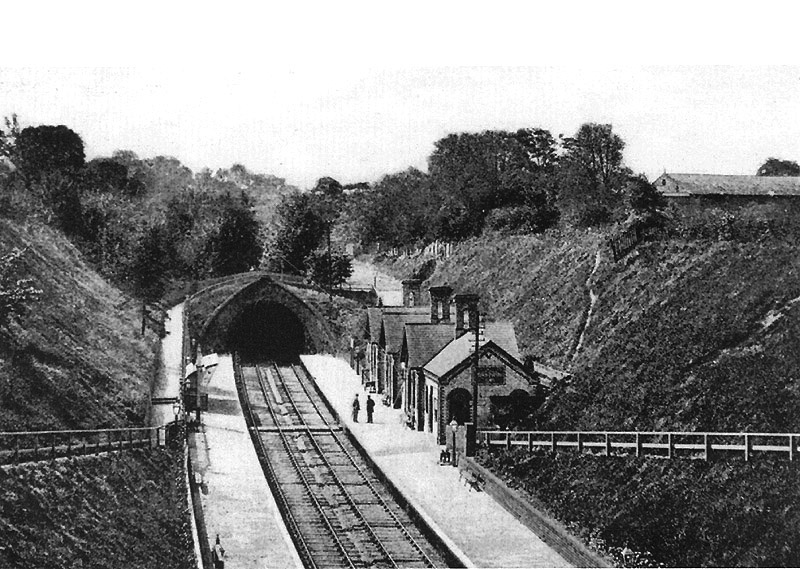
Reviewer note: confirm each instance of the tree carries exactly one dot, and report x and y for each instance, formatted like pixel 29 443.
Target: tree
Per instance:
pixel 150 267
pixel 42 150
pixel 592 175
pixel 236 246
pixel 646 203
pixel 301 229
pixel 777 167
pixel 325 270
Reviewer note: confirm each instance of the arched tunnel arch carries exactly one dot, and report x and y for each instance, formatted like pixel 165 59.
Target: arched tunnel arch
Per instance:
pixel 264 319
pixel 267 330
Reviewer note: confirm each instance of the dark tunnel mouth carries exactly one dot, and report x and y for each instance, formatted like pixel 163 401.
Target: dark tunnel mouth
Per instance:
pixel 267 331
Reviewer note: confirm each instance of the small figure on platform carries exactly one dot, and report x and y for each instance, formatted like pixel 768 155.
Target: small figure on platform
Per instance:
pixel 370 408
pixel 356 407
pixel 218 555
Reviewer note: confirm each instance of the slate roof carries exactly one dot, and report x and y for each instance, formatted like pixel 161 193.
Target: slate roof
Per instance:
pixel 500 333
pixel 423 341
pixel 718 184
pixel 394 323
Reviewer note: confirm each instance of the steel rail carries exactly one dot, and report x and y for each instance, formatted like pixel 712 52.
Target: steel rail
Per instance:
pixel 338 480
pixel 400 525
pixel 300 473
pixel 281 497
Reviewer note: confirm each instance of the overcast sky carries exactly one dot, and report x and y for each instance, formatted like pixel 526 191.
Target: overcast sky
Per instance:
pixel 315 116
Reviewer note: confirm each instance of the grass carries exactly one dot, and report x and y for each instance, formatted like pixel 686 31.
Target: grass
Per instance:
pixel 126 511
pixel 688 333
pixel 76 360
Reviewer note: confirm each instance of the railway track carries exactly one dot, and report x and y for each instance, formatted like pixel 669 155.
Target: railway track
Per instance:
pixel 339 513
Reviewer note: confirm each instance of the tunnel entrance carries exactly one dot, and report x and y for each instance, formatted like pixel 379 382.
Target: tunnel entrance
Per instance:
pixel 267 330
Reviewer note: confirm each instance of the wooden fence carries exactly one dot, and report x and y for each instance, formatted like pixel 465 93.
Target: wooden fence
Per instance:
pixel 626 241
pixel 31 446
pixel 705 446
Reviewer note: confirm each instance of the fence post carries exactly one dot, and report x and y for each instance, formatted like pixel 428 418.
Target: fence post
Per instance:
pixel 53 447
pixel 36 447
pixel 530 442
pixel 791 447
pixel 707 445
pixel 16 449
pixel 553 441
pixel 638 445
pixel 747 447
pixel 670 446
pixel 608 445
pixel 508 440
pixel 580 443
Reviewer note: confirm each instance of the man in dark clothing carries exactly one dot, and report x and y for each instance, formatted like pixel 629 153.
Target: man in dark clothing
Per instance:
pixel 356 407
pixel 370 408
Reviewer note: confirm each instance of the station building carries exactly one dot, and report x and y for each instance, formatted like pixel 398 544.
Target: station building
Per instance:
pixel 422 360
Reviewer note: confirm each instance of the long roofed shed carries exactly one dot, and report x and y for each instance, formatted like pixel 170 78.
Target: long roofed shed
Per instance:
pixel 676 185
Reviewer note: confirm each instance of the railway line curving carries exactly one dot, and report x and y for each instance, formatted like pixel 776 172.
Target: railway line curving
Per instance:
pixel 337 510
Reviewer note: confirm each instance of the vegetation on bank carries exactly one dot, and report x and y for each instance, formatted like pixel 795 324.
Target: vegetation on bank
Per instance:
pixel 127 510
pixel 75 358
pixel 674 513
pixel 691 331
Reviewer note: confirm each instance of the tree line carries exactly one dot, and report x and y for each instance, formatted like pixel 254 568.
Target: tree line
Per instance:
pixel 142 223
pixel 521 181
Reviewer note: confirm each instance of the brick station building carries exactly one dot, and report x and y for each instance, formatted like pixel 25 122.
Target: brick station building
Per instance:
pixel 422 360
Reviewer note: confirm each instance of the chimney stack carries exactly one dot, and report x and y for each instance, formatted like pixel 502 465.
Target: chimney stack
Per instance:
pixel 466 305
pixel 411 292
pixel 440 303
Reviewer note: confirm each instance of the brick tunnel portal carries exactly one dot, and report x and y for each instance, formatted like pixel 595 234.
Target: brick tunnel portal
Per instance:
pixel 268 331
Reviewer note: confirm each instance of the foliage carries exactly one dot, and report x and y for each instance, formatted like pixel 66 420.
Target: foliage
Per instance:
pixel 646 203
pixel 235 245
pixel 678 513
pixel 42 150
pixel 592 175
pixel 475 173
pixel 301 229
pixel 328 271
pixel 150 268
pixel 16 292
pixel 777 167
pixel 397 210
pixel 127 511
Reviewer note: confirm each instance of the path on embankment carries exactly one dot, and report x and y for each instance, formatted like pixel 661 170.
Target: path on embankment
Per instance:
pixel 389 289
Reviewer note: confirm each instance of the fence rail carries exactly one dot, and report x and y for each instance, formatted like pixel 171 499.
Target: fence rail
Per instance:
pixel 31 446
pixel 696 445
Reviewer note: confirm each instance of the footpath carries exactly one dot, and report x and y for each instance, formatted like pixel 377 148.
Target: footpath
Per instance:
pixel 478 529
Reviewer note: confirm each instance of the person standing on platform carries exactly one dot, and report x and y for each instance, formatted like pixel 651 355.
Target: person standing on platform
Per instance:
pixel 370 408
pixel 218 555
pixel 356 407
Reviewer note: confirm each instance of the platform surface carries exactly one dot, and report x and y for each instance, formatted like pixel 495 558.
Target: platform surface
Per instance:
pixel 477 526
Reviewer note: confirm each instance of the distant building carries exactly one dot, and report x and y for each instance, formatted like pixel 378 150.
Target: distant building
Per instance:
pixel 693 192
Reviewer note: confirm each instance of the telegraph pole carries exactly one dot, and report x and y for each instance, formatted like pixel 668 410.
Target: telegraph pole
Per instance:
pixel 475 357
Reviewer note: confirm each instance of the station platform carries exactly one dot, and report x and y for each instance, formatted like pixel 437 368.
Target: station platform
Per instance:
pixel 476 527
pixel 237 501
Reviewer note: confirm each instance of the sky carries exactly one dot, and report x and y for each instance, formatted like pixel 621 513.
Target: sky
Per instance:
pixel 356 115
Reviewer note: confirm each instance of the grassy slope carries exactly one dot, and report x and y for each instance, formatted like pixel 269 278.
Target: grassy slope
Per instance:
pixel 76 360
pixel 696 335
pixel 125 511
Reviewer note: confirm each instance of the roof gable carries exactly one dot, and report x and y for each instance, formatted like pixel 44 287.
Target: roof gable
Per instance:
pixel 501 334
pixel 487 347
